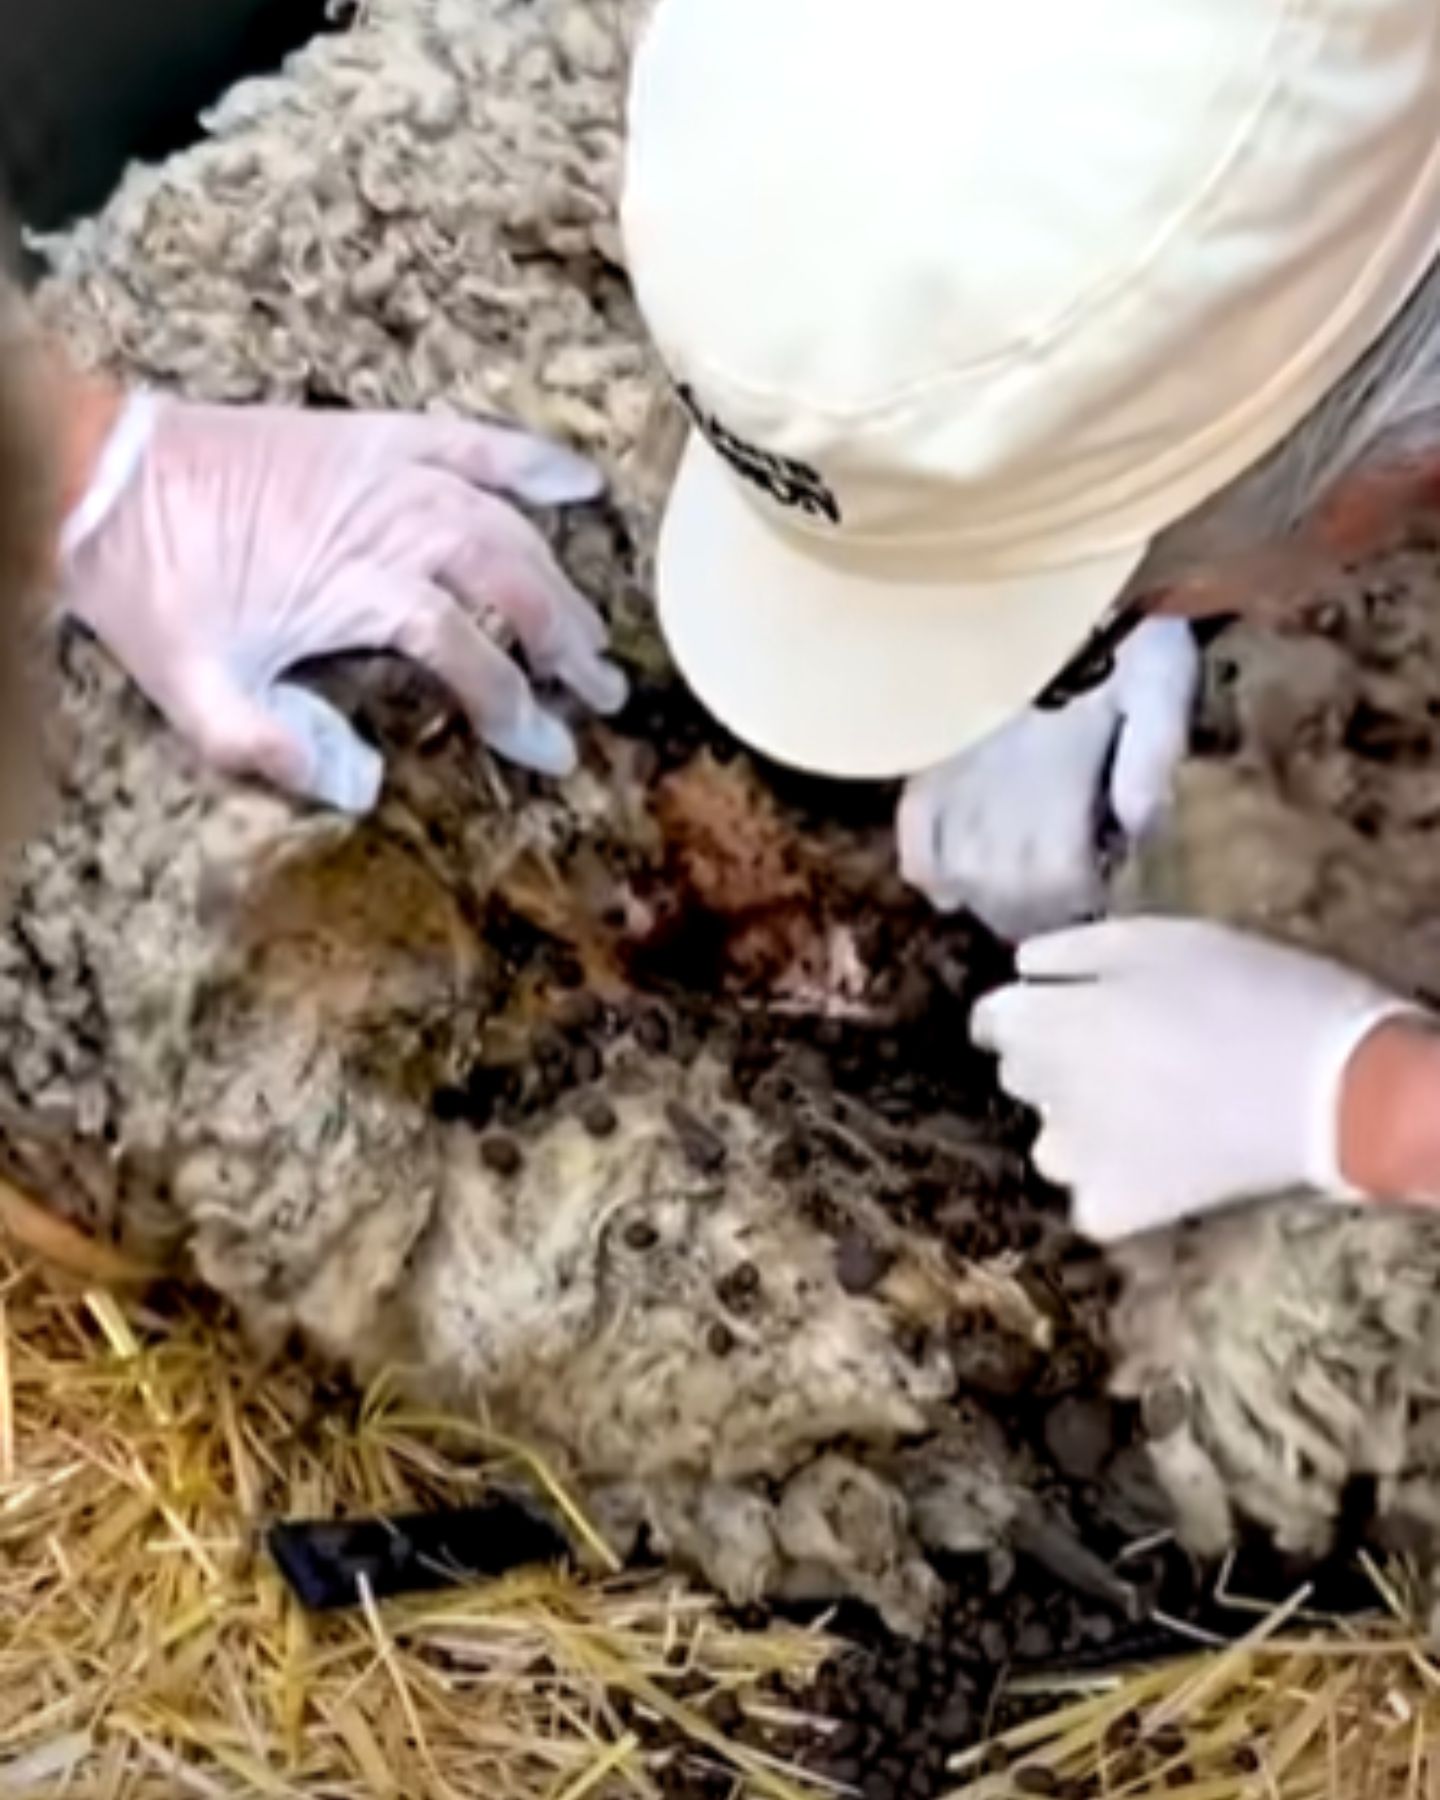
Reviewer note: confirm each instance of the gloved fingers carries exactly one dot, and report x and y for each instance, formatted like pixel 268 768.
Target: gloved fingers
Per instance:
pixel 987 1022
pixel 1033 902
pixel 435 631
pixel 1104 1206
pixel 1038 1066
pixel 1159 655
pixel 1119 946
pixel 1142 781
pixel 951 851
pixel 232 729
pixel 508 569
pixel 1107 1213
pixel 294 740
pixel 1016 1023
pixel 345 772
pixel 1008 828
pixel 488 553
pixel 1084 952
pixel 1054 1156
pixel 1056 886
pixel 593 679
pixel 1069 1153
pixel 498 563
pixel 1159 686
pixel 506 460
pixel 919 836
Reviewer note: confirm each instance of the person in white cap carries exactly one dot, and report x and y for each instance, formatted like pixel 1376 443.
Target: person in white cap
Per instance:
pixel 1003 329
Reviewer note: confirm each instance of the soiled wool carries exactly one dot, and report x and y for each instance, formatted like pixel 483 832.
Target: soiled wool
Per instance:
pixel 223 1025
pixel 1304 1337
pixel 1305 1344
pixel 223 1019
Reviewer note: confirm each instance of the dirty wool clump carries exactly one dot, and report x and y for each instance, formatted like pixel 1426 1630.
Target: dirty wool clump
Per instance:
pixel 1291 1353
pixel 431 1091
pixel 631 1114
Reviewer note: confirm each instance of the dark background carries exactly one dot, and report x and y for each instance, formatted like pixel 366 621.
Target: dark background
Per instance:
pixel 88 85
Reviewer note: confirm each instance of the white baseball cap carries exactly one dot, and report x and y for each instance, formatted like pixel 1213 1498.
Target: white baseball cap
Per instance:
pixel 970 298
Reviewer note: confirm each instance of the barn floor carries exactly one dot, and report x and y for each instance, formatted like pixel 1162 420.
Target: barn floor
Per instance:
pixel 149 1649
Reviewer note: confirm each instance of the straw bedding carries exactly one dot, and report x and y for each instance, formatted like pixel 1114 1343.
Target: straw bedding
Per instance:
pixel 147 1650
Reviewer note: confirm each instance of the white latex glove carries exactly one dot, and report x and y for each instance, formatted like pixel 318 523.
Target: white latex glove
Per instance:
pixel 220 546
pixel 1009 829
pixel 1177 1065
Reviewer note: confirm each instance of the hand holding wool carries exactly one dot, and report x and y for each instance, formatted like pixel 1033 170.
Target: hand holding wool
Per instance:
pixel 217 547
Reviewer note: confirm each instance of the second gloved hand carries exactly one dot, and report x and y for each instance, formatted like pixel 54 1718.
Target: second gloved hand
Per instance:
pixel 1009 829
pixel 218 547
pixel 1176 1065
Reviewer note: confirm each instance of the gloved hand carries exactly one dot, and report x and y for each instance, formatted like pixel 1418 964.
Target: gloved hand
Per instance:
pixel 1178 1065
pixel 219 546
pixel 1009 829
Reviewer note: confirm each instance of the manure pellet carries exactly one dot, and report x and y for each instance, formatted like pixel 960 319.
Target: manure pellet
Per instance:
pixel 1035 1642
pixel 599 1117
pixel 1167 1740
pixel 702 1148
pixel 727 1713
pixel 1125 1730
pixel 860 1265
pixel 994 1644
pixel 893 1710
pixel 502 1155
pixel 1098 1628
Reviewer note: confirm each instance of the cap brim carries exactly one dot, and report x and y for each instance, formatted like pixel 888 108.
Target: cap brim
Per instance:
pixel 865 670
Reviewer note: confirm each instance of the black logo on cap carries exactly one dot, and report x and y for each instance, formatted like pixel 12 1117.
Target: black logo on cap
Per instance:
pixel 788 482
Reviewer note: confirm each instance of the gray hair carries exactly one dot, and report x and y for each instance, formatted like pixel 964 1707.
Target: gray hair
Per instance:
pixel 1384 411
